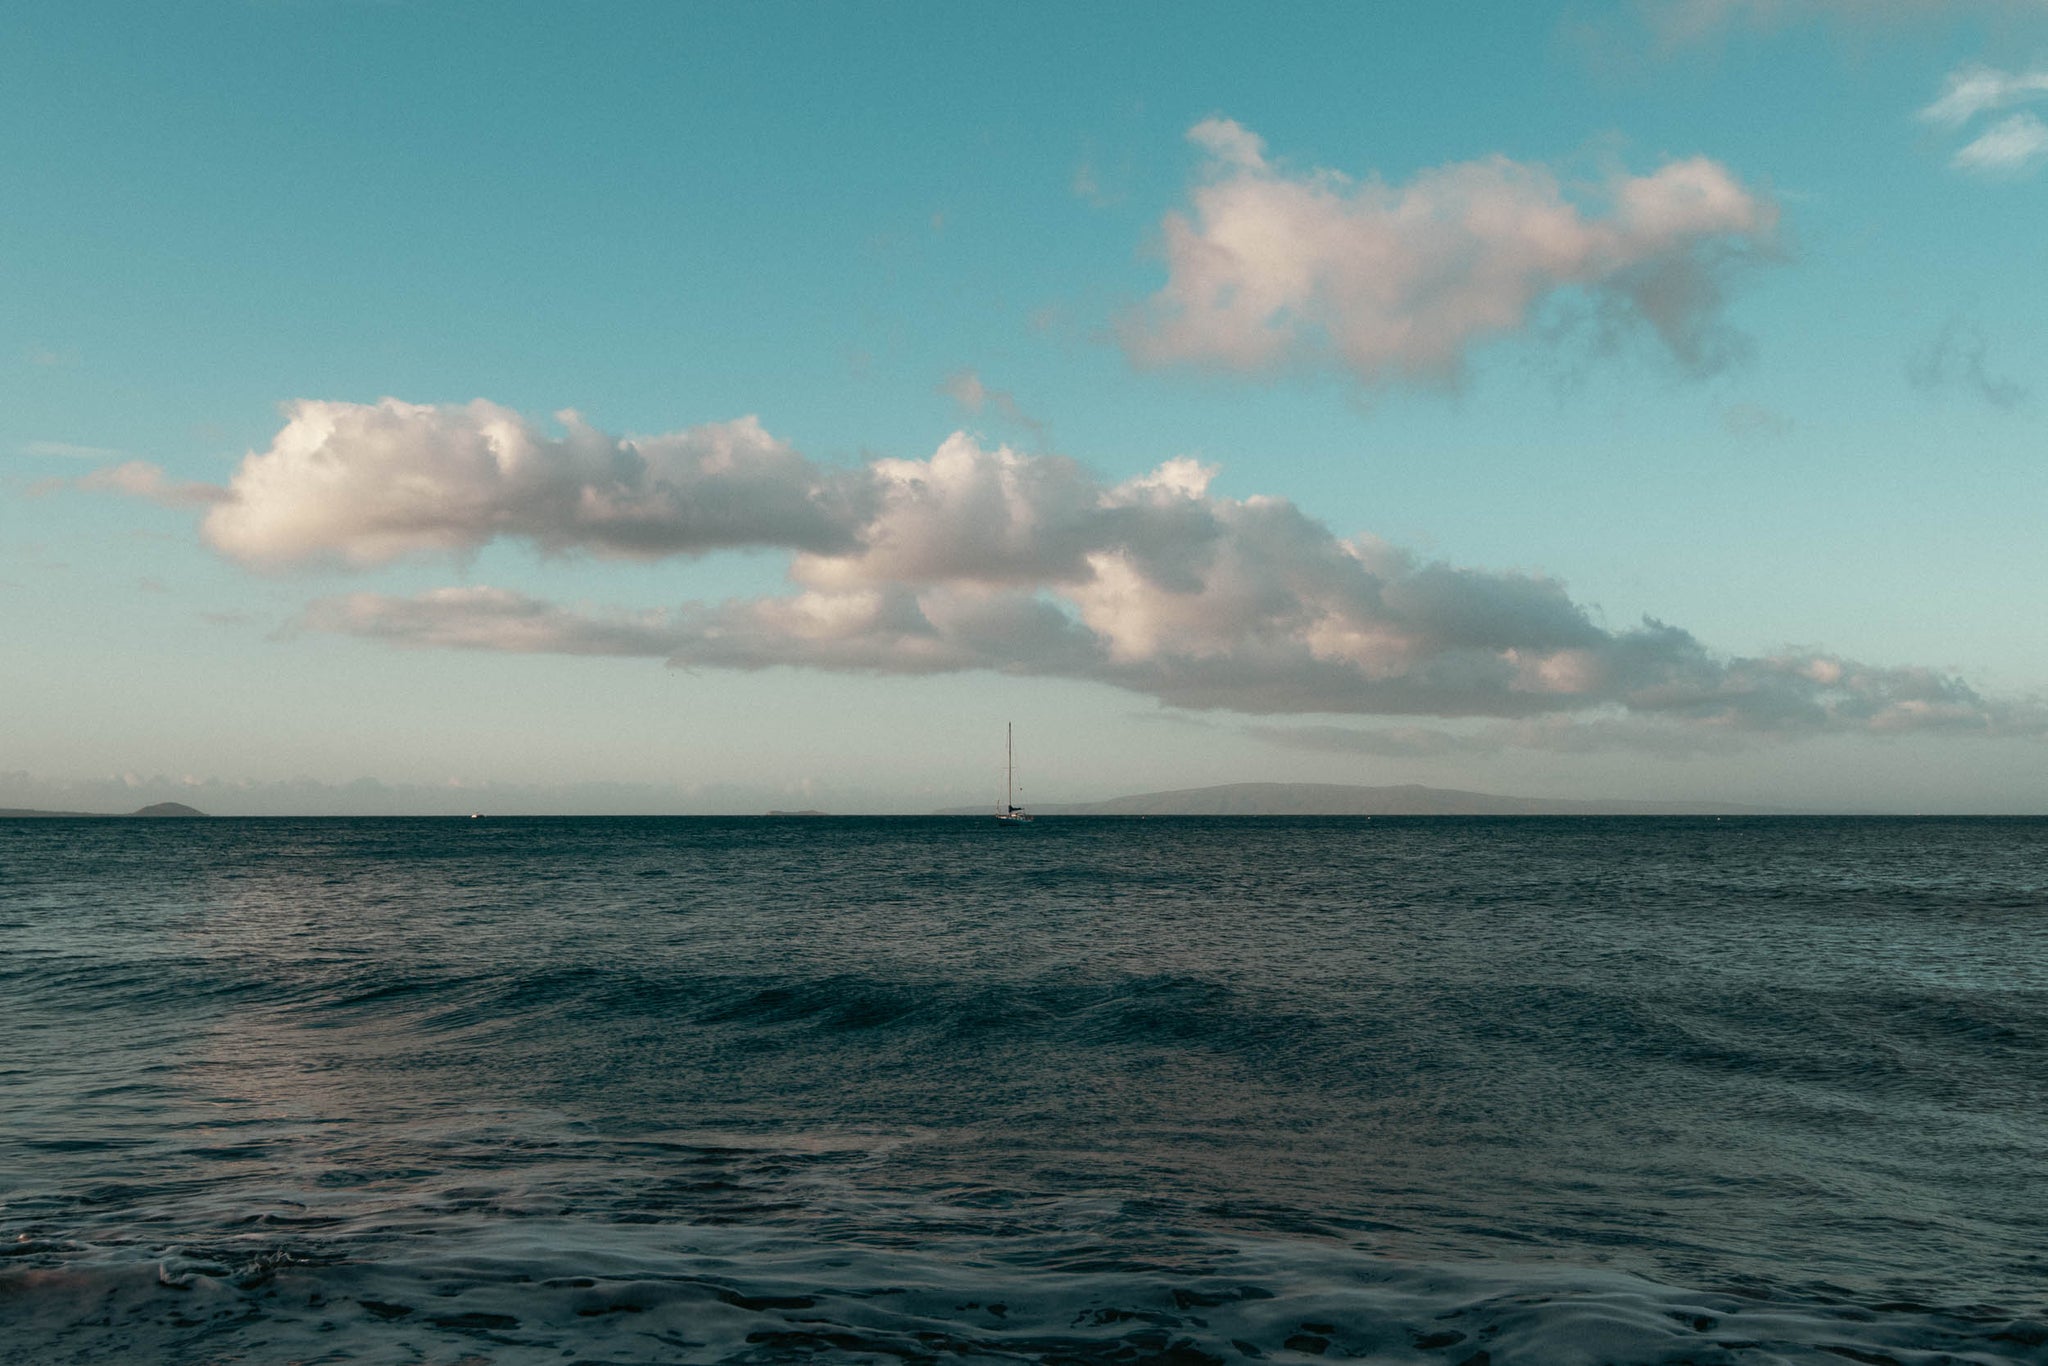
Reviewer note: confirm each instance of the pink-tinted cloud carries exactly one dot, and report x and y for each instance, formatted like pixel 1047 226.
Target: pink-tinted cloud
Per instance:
pixel 1270 270
pixel 984 558
pixel 1651 687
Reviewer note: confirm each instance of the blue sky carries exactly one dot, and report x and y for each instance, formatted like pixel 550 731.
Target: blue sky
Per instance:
pixel 1496 331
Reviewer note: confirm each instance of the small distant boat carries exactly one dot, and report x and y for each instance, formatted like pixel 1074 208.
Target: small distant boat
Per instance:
pixel 1009 812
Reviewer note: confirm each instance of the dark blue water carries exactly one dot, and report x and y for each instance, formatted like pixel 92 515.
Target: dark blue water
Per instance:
pixel 1168 1090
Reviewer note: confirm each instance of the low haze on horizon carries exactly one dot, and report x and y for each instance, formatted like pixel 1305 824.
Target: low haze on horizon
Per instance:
pixel 429 407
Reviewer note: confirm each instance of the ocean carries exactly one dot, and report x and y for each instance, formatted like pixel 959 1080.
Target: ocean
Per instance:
pixel 1447 1090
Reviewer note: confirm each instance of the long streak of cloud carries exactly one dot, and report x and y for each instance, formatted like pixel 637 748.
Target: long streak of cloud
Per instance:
pixel 1672 693
pixel 473 618
pixel 1270 270
pixel 141 479
pixel 67 450
pixel 981 558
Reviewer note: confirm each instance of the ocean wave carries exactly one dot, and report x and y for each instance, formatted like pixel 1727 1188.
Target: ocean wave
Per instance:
pixel 697 1294
pixel 1161 1091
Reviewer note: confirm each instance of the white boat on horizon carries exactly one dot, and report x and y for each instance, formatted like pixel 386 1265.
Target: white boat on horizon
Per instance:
pixel 1009 812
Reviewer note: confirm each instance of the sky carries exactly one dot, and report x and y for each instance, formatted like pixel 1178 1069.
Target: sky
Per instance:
pixel 657 407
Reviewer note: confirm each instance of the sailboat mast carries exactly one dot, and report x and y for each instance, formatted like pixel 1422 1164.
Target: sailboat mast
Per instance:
pixel 1009 766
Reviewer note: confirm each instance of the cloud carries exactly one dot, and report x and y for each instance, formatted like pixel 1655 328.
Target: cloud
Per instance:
pixel 1755 422
pixel 2012 146
pixel 1752 702
pixel 1270 271
pixel 66 450
pixel 1087 185
pixel 140 479
pixel 985 558
pixel 367 484
pixel 492 619
pixel 1551 734
pixel 965 388
pixel 1956 358
pixel 1974 90
pixel 1682 21
pixel 1659 687
pixel 994 517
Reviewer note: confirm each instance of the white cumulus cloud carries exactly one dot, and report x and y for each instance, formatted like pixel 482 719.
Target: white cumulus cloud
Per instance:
pixel 370 483
pixel 1269 270
pixel 984 558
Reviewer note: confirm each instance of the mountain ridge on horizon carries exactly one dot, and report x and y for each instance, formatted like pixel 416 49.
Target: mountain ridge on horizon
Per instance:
pixel 154 811
pixel 1233 799
pixel 1352 799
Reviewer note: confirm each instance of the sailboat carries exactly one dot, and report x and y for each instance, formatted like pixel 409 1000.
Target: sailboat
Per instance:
pixel 1010 812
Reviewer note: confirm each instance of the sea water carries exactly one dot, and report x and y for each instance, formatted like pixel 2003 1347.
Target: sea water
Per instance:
pixel 1093 1090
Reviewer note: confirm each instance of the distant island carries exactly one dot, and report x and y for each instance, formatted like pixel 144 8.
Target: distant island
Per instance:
pixel 153 809
pixel 1344 799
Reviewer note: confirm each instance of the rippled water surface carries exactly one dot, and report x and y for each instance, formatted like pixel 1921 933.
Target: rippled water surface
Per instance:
pixel 1168 1090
